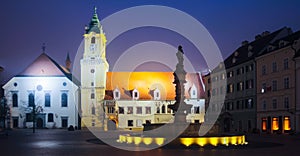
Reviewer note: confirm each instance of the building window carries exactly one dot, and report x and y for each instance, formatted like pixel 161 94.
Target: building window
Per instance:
pixel 64 122
pixel 230 74
pixel 249 68
pixel 197 110
pixel 15 100
pixel 275 124
pixel 30 100
pixel 274 85
pixel 249 104
pixel 139 110
pixel 240 86
pixel 29 117
pixel 214 92
pixel 121 110
pixel 47 100
pixel 221 90
pixel 50 117
pixel 223 76
pixel 274 103
pixel 286 102
pixel 129 110
pixel 93 110
pixel 286 82
pixel 263 70
pixel 139 123
pixel 163 109
pixel 264 124
pixel 64 100
pixel 148 110
pixel 93 40
pixel 249 84
pixel 287 123
pixel 230 88
pixel 130 123
pixel 264 104
pixel 92 84
pixel 274 67
pixel 92 95
pixel 286 64
pixel 111 109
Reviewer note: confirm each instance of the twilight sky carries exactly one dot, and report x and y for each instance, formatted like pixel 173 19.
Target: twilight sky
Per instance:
pixel 25 25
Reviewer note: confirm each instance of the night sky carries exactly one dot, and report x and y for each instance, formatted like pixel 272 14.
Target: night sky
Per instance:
pixel 25 25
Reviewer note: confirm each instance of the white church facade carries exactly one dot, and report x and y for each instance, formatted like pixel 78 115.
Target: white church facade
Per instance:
pixel 49 88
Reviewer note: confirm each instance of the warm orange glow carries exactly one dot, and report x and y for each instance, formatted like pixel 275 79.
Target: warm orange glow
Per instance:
pixel 143 81
pixel 287 123
pixel 264 124
pixel 275 124
pixel 201 141
pixel 187 141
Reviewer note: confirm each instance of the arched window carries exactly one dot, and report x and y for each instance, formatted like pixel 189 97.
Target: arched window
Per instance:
pixel 93 110
pixel 163 109
pixel 15 100
pixel 50 117
pixel 47 100
pixel 64 100
pixel 30 100
pixel 93 40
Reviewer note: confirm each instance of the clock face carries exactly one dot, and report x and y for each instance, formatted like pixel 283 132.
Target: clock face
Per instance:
pixel 93 47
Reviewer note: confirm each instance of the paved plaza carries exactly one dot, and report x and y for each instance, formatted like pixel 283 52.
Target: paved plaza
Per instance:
pixel 82 142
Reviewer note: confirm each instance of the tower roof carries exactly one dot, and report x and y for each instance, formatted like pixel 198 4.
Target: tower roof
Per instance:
pixel 94 25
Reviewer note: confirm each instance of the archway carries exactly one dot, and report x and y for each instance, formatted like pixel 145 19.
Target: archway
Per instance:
pixel 39 123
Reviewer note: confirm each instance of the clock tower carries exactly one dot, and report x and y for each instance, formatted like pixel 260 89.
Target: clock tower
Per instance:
pixel 94 67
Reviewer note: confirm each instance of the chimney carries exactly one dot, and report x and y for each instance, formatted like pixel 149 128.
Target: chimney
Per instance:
pixel 68 63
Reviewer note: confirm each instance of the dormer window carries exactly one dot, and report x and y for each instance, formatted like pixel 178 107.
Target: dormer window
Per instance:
pixel 156 94
pixel 116 94
pixel 135 94
pixel 282 43
pixel 270 48
pixel 234 60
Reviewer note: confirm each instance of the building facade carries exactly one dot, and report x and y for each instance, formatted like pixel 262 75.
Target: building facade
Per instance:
pixel 276 86
pixel 238 111
pixel 50 89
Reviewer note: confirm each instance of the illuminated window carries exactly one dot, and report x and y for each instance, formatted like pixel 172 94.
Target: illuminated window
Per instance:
pixel 230 88
pixel 230 74
pixel 47 100
pixel 287 123
pixel 275 124
pixel 264 124
pixel 240 86
pixel 30 100
pixel 15 100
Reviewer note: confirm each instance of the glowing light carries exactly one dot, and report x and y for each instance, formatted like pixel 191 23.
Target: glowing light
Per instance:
pixel 201 141
pixel 287 123
pixel 214 141
pixel 264 124
pixel 147 141
pixel 159 141
pixel 137 140
pixel 187 141
pixel 275 124
pixel 129 139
